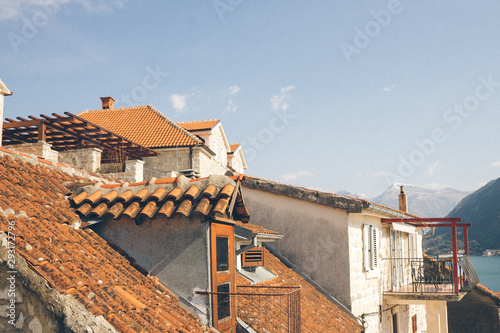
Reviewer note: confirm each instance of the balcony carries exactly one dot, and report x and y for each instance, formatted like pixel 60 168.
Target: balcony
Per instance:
pixel 424 279
pixel 259 309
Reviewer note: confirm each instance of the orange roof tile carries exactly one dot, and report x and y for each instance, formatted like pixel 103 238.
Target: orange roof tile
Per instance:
pixel 142 124
pixel 200 125
pixel 169 196
pixel 318 313
pixel 234 146
pixel 78 262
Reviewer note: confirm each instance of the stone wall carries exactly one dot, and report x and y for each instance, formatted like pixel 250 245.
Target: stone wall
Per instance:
pixel 28 313
pixel 87 159
pixel 40 149
pixel 134 171
pixel 172 159
pixel 207 164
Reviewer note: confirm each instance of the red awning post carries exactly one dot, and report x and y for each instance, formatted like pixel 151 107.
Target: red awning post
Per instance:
pixel 466 241
pixel 455 254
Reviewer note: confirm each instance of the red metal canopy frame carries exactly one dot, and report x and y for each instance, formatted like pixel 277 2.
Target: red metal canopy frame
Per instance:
pixel 443 222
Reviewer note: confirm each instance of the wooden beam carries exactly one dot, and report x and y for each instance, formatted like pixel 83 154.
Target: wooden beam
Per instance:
pixel 42 132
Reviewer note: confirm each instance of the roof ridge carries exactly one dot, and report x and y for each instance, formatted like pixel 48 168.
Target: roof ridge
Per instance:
pixel 177 126
pixel 199 121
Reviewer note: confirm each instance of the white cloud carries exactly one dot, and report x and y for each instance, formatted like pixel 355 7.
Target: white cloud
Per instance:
pixel 15 9
pixel 278 101
pixel 293 176
pixel 230 108
pixel 178 102
pixel 233 90
pixel 435 168
pixel 388 89
pixel 495 164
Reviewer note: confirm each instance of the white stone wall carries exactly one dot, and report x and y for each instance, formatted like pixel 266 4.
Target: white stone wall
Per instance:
pixel 206 163
pixel 218 145
pixel 134 171
pixel 367 287
pixel 170 159
pixel 40 149
pixel 87 159
pixel 236 161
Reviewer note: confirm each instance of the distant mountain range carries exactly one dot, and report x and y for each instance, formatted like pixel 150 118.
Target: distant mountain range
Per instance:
pixel 422 201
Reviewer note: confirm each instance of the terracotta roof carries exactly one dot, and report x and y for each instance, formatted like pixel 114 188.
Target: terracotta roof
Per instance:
pixel 161 197
pixel 488 292
pixel 142 124
pixel 256 229
pixel 234 146
pixel 318 313
pixel 200 125
pixel 78 262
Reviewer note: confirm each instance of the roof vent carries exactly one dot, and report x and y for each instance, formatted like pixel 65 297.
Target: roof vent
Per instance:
pixel 107 102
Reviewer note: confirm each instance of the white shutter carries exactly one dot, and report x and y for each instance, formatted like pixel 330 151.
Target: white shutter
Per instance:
pixel 374 247
pixel 415 245
pixel 366 247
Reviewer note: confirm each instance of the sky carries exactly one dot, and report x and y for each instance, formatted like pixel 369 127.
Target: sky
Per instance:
pixel 329 95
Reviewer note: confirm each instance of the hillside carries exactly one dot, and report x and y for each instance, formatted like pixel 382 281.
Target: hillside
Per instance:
pixel 482 209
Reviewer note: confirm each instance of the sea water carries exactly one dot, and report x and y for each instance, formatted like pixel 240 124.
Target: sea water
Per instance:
pixel 488 270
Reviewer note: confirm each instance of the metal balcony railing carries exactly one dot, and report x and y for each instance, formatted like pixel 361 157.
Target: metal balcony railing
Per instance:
pixel 429 275
pixel 262 308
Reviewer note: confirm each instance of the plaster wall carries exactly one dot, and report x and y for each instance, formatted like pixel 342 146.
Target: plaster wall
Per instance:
pixel 174 250
pixel 474 313
pixel 315 237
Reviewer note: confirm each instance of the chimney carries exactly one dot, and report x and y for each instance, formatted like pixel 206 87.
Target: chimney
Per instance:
pixel 107 102
pixel 4 91
pixel 403 201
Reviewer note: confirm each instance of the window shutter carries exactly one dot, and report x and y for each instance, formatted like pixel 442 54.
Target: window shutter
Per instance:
pixel 415 245
pixel 366 247
pixel 253 258
pixel 374 247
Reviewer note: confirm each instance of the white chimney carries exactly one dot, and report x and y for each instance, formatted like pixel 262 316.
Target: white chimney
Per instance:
pixel 4 91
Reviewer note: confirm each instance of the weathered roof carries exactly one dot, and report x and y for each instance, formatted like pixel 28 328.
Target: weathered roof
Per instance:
pixel 142 124
pixel 351 205
pixel 256 229
pixel 78 262
pixel 199 125
pixel 162 197
pixel 318 313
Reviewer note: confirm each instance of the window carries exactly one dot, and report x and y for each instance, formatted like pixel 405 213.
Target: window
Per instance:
pixel 370 247
pixel 222 254
pixel 223 302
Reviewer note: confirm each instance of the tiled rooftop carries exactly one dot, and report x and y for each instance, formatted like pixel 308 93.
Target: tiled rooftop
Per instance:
pixel 161 197
pixel 234 146
pixel 200 125
pixel 78 262
pixel 142 124
pixel 256 229
pixel 318 313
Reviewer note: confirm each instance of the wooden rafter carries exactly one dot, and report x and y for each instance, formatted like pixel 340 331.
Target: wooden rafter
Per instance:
pixel 69 132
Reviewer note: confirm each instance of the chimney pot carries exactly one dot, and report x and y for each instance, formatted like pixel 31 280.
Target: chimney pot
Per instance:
pixel 403 200
pixel 107 102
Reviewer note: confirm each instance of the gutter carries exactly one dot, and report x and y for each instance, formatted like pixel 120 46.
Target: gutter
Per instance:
pixel 386 211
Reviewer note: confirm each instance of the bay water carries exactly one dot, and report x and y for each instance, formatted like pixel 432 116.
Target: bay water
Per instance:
pixel 488 270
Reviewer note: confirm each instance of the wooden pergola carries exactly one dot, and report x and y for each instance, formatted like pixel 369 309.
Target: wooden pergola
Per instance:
pixel 71 132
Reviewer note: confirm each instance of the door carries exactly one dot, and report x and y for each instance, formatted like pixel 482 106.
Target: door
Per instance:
pixel 396 239
pixel 223 277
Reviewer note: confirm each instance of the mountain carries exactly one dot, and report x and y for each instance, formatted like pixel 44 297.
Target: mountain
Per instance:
pixel 422 201
pixel 482 209
pixel 352 195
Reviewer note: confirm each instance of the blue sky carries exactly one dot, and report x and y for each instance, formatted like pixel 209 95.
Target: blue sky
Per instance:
pixel 331 95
